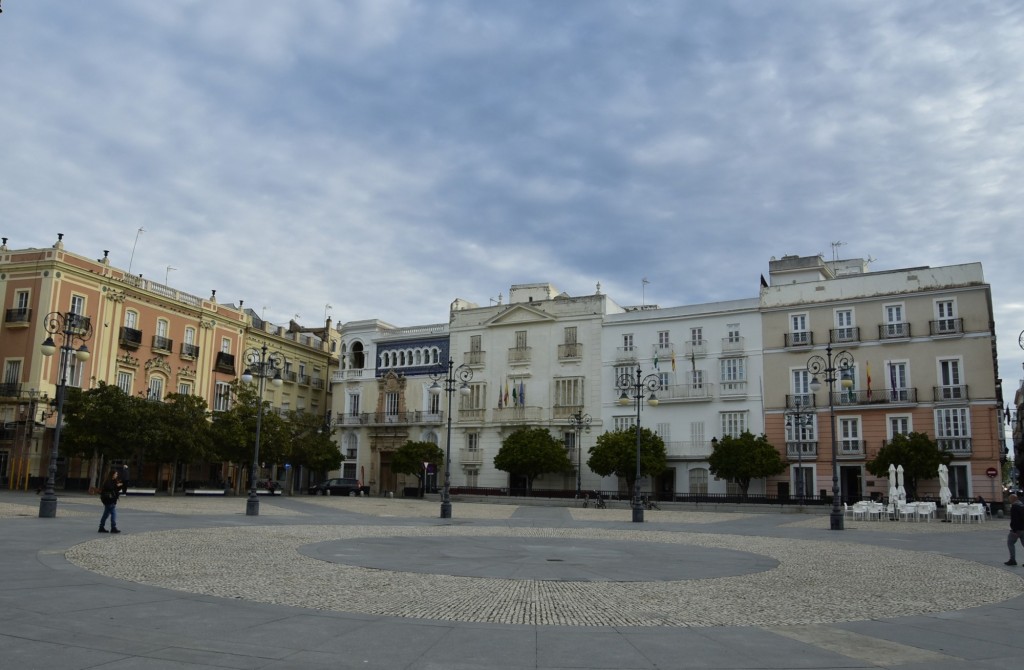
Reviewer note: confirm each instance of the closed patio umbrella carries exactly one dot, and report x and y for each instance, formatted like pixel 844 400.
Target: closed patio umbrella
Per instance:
pixel 893 491
pixel 944 493
pixel 901 492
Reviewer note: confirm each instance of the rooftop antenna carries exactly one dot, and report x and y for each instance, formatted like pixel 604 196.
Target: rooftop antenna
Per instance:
pixel 643 291
pixel 132 258
pixel 327 311
pixel 167 272
pixel 835 248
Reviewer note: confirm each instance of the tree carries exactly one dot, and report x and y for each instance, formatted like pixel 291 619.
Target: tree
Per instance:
pixel 102 423
pixel 919 455
pixel 744 458
pixel 311 444
pixel 234 430
pixel 530 452
pixel 177 431
pixel 614 453
pixel 409 458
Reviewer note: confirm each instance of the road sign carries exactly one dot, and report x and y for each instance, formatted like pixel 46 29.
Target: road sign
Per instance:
pixel 992 472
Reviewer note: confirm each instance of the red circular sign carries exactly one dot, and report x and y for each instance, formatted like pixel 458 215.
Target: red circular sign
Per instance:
pixel 992 472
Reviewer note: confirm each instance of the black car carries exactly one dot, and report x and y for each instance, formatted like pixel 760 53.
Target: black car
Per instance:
pixel 339 487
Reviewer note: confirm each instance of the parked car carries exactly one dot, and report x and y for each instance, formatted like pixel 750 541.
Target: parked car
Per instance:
pixel 339 487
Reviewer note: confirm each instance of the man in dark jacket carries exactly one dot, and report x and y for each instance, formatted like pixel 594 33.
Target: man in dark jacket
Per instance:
pixel 109 493
pixel 1016 528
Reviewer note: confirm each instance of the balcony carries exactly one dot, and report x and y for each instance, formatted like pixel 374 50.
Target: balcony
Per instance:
pixel 565 411
pixel 894 331
pixel 162 345
pixel 289 376
pixel 625 354
pixel 351 454
pixel 356 419
pixel 688 450
pixel 850 449
pixel 664 351
pixel 847 335
pixel 686 392
pixel 803 450
pixel 946 327
pixel 18 317
pixel 950 393
pixel 733 390
pixel 733 345
pixel 800 400
pixel 76 324
pixel 570 352
pixel 471 456
pixel 519 355
pixel 474 358
pixel 415 417
pixel 224 362
pixel 958 446
pixel 515 415
pixel 10 390
pixel 698 348
pixel 129 338
pixel 303 379
pixel 189 351
pixel 471 415
pixel 905 396
pixel 802 339
pixel 317 383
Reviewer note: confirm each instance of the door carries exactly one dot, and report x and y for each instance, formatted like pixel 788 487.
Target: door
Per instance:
pixel 850 484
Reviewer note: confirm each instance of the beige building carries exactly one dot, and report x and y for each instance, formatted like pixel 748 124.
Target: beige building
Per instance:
pixel 922 344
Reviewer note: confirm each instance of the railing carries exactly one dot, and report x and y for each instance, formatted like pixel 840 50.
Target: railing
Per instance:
pixel 960 446
pixel 850 449
pixel 289 376
pixel 946 327
pixel 846 335
pixel 519 355
pixel 18 315
pixel 802 449
pixel 10 390
pixel 76 323
pixel 698 348
pixel 129 337
pixel 733 389
pixel 625 353
pixel 875 396
pixel 392 418
pixel 565 411
pixel 893 331
pixel 802 339
pixel 189 350
pixel 732 345
pixel 304 379
pixel 353 419
pixel 688 449
pixel 317 383
pixel 473 415
pixel 161 343
pixel 702 391
pixel 471 456
pixel 663 352
pixel 352 453
pixel 953 392
pixel 474 357
pixel 570 351
pixel 797 400
pixel 515 414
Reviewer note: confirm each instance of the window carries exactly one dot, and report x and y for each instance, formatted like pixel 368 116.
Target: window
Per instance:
pixel 899 425
pixel 21 300
pixel 12 374
pixel 568 392
pixel 475 343
pixel 124 381
pixel 697 433
pixel 190 335
pixel 569 440
pixel 569 335
pixel 733 374
pixel 622 371
pixel 849 437
pixel 391 404
pixel 433 403
pixel 845 331
pixel 520 339
pixel 952 423
pixel 698 481
pixel 697 335
pixel 477 398
pixel 802 430
pixel 627 342
pixel 221 397
pixel 945 316
pixel 353 404
pixel 894 325
pixel 696 378
pixel 74 367
pixel 624 422
pixel 899 386
pixel 156 388
pixel 225 345
pixel 733 332
pixel 798 333
pixel 802 395
pixel 77 305
pixel 733 423
pixel 131 319
pixel 351 445
pixel 949 380
pixel 473 441
pixel 663 381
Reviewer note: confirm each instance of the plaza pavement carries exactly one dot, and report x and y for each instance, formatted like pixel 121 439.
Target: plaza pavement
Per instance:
pixel 383 583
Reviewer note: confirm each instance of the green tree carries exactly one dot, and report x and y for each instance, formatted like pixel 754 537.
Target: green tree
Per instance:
pixel 311 444
pixel 177 431
pixel 744 458
pixel 919 455
pixel 100 424
pixel 234 431
pixel 409 458
pixel 614 453
pixel 530 452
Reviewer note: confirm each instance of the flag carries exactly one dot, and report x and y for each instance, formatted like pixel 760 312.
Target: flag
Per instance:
pixel 869 381
pixel 515 399
pixel 522 394
pixel 673 361
pixel 506 393
pixel 655 360
pixel 500 403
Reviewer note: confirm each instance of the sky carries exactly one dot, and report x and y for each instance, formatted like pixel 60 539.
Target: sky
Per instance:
pixel 384 157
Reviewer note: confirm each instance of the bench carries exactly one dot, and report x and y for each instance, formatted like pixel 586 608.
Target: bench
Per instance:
pixel 204 492
pixel 131 491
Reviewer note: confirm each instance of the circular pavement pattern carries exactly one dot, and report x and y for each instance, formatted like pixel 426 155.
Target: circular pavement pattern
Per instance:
pixel 813 582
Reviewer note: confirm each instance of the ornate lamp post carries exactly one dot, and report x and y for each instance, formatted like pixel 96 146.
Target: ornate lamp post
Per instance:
pixel 580 423
pixel 841 364
pixel 634 388
pixel 71 328
pixel 262 366
pixel 797 420
pixel 454 378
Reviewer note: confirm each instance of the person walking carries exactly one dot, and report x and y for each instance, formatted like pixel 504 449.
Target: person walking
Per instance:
pixel 1016 528
pixel 109 493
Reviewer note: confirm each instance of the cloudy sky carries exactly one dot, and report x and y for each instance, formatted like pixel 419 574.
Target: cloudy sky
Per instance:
pixel 387 156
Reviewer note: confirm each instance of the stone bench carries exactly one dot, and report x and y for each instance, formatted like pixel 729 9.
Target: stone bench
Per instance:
pixel 204 492
pixel 131 491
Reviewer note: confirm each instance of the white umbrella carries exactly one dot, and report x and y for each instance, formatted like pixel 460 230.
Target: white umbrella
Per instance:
pixel 944 493
pixel 901 492
pixel 893 492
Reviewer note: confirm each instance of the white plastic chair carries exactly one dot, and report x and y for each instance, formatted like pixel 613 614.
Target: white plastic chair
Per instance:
pixel 908 511
pixel 926 510
pixel 957 512
pixel 976 511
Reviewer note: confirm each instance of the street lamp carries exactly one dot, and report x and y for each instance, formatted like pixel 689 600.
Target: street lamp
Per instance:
pixel 841 364
pixel 638 385
pixel 580 423
pixel 71 328
pixel 260 365
pixel 454 378
pixel 797 420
